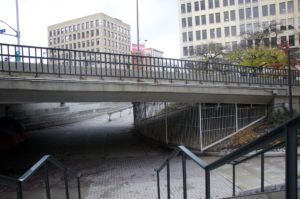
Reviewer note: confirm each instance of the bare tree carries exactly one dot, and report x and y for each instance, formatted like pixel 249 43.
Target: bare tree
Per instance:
pixel 211 52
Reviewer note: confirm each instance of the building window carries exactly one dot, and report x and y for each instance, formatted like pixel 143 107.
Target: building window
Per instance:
pixel 232 2
pixel 78 35
pixel 78 44
pixel 183 22
pixel 87 43
pixel 203 19
pixel 227 33
pixel 70 37
pixel 185 51
pixel 234 45
pixel 57 31
pixel 217 3
pixel 108 42
pixel 50 41
pixel 283 39
pixel 210 4
pixel 92 42
pixel 62 39
pixel 256 27
pixel 92 33
pixel 266 26
pixel 241 14
pixel 290 6
pixel 228 47
pixel 218 18
pixel 211 18
pixel 78 28
pixel 291 23
pixel 87 34
pixel 62 30
pixel 58 40
pixel 190 36
pixel 219 35
pixel 182 8
pixel 191 50
pixel 204 34
pixel 197 21
pixel 70 28
pixel 225 3
pixel 265 11
pixel 255 12
pixel 292 40
pixel 184 37
pixel 74 36
pixel 92 24
pixel 70 46
pixel 87 24
pixel 197 6
pixel 112 35
pixel 202 4
pixel 233 31
pixel 104 41
pixel 66 38
pixel 74 45
pixel 83 44
pixel 97 32
pixel 226 16
pixel 212 33
pixel 266 42
pixel 190 23
pixel 241 1
pixel 189 7
pixel 54 32
pixel 198 36
pixel 242 29
pixel 82 35
pixel 272 9
pixel 248 13
pixel 50 33
pixel 74 27
pixel 82 26
pixel 274 41
pixel 54 40
pixel 249 28
pixel 232 15
pixel 282 24
pixel 282 8
pixel 107 24
pixel 111 25
pixel 104 32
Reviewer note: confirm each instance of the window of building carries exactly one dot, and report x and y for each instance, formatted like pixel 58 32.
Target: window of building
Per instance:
pixel 234 45
pixel 66 38
pixel 274 41
pixel 74 27
pixel 265 11
pixel 185 51
pixel 227 32
pixel 292 40
pixel 255 12
pixel 54 32
pixel 70 28
pixel 74 36
pixel 219 35
pixel 191 50
pixel 232 15
pixel 283 39
pixel 87 43
pixel 232 2
pixel 92 42
pixel 248 13
pixel 210 4
pixel 242 29
pixel 115 35
pixel 92 24
pixel 62 39
pixel 57 31
pixel 70 37
pixel 202 4
pixel 189 7
pixel 70 46
pixel 87 34
pixel 197 21
pixel 212 33
pixel 196 6
pixel 256 27
pixel 104 41
pixel 82 35
pixel 266 42
pixel 87 24
pixel 272 9
pixel 92 33
pixel 182 8
pixel 122 38
pixel 249 28
pixel 50 41
pixel 266 26
pixel 226 16
pixel 82 26
pixel 217 3
pixel 282 24
pixel 198 36
pixel 62 30
pixel 190 22
pixel 218 18
pixel 78 44
pixel 74 45
pixel 204 34
pixel 203 19
pixel 241 14
pixel 184 37
pixel 104 32
pixel 97 32
pixel 291 23
pixel 190 36
pixel 241 1
pixel 83 44
pixel 183 22
pixel 233 31
pixel 247 1
pixel 107 24
pixel 282 8
pixel 273 25
pixel 211 18
pixel 225 3
pixel 97 22
pixel 228 47
pixel 112 35
pixel 50 33
pixel 290 6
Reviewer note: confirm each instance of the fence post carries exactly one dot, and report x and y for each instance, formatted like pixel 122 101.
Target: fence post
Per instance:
pixel 233 180
pixel 184 175
pixel 236 118
pixel 47 180
pixel 145 113
pixel 158 189
pixel 19 191
pixel 207 183
pixel 168 178
pixel 166 121
pixel 262 172
pixel 66 183
pixel 200 127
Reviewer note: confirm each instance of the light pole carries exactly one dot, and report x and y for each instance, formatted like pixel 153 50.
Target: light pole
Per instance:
pixel 291 49
pixel 145 46
pixel 138 37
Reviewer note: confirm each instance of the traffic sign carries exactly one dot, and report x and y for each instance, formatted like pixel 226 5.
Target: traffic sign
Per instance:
pixel 17 55
pixel 2 31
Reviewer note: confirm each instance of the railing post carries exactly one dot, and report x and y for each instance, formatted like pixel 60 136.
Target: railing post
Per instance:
pixel 262 172
pixel 166 121
pixel 207 183
pixel 236 118
pixel 19 191
pixel 233 180
pixel 184 175
pixel 168 179
pixel 200 127
pixel 158 189
pixel 291 174
pixel 78 185
pixel 145 114
pixel 66 183
pixel 47 180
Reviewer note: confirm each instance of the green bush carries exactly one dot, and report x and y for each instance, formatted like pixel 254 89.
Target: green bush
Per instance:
pixel 278 117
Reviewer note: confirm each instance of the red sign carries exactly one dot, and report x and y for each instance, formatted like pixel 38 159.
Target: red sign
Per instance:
pixel 134 48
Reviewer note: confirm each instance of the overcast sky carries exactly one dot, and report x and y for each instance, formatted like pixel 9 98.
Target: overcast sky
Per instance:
pixel 158 19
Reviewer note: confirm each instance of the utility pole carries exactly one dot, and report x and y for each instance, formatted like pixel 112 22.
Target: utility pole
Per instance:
pixel 18 30
pixel 138 37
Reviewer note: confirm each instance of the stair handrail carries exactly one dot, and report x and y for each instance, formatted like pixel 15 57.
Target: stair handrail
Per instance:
pixel 287 129
pixel 42 162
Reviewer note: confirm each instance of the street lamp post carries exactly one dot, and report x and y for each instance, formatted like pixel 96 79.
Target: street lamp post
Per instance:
pixel 291 49
pixel 138 37
pixel 145 46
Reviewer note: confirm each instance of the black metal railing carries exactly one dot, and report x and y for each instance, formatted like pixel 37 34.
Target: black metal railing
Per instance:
pixel 288 130
pixel 55 61
pixel 42 162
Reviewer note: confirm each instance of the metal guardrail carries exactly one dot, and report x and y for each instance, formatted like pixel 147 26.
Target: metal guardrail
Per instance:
pixel 119 110
pixel 55 61
pixel 42 162
pixel 287 129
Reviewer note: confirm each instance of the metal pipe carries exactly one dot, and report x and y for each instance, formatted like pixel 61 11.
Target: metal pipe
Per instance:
pixel 207 183
pixel 168 179
pixel 138 37
pixel 233 179
pixel 262 172
pixel 200 127
pixel 166 121
pixel 158 189
pixel 290 86
pixel 47 180
pixel 66 183
pixel 184 175
pixel 18 30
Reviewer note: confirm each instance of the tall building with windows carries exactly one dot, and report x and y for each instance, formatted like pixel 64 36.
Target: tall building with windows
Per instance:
pixel 226 22
pixel 94 33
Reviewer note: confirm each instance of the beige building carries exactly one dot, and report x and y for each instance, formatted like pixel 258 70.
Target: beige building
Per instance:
pixel 225 21
pixel 94 33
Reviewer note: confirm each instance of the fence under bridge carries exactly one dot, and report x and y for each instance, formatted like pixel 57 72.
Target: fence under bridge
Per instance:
pixel 197 126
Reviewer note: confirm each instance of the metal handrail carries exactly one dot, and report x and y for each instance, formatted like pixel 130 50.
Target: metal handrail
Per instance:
pixel 42 162
pixel 120 110
pixel 287 129
pixel 100 64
